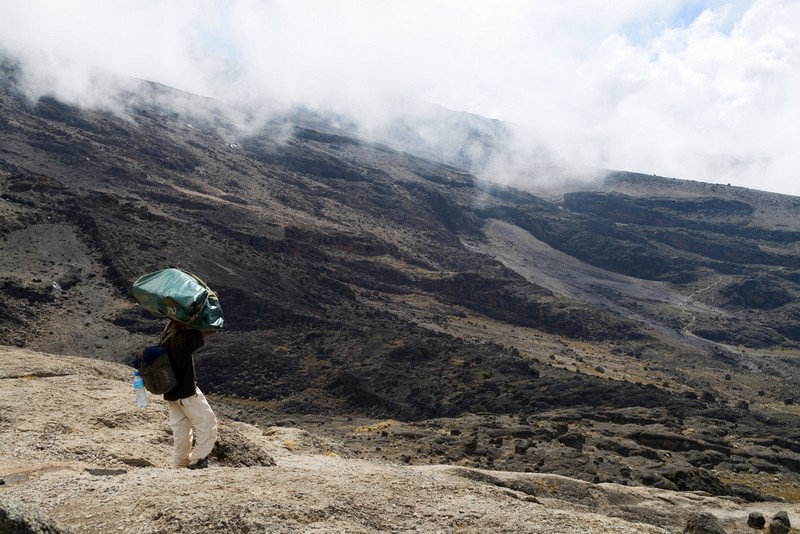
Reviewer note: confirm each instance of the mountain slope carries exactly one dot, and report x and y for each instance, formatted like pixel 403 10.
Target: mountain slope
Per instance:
pixel 75 448
pixel 649 317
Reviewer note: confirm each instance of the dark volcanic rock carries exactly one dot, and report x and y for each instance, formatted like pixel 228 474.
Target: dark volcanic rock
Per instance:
pixel 756 520
pixel 763 292
pixel 703 523
pixel 779 524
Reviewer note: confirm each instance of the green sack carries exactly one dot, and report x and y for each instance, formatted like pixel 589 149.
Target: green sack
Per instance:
pixel 181 296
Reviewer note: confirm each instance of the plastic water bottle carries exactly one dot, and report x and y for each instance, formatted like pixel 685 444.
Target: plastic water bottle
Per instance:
pixel 138 388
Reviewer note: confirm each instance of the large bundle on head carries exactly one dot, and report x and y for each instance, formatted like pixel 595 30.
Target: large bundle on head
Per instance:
pixel 181 296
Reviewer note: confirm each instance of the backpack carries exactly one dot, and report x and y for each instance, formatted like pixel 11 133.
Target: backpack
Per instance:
pixel 154 367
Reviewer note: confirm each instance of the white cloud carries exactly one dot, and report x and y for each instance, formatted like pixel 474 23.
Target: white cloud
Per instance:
pixel 697 90
pixel 720 105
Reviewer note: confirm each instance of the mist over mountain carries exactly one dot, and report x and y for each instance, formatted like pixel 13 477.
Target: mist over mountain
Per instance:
pixel 630 328
pixel 702 91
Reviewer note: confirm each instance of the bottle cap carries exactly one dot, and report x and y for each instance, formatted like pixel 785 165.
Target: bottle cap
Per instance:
pixel 136 373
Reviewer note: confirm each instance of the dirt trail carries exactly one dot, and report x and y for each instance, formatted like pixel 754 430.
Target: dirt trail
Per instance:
pixel 690 299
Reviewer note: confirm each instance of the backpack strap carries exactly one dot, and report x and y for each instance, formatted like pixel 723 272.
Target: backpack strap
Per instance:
pixel 167 333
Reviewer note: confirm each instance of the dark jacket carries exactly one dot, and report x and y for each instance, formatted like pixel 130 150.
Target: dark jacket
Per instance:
pixel 180 347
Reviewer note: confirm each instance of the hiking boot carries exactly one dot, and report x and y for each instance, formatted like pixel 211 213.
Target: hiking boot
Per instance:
pixel 199 464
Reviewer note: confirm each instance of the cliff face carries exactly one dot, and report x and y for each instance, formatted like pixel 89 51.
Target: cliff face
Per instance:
pixel 78 456
pixel 500 327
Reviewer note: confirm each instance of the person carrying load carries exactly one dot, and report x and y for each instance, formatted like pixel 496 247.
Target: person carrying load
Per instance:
pixel 195 314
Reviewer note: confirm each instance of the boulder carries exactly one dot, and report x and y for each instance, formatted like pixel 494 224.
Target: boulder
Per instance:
pixel 756 520
pixel 17 517
pixel 703 523
pixel 780 524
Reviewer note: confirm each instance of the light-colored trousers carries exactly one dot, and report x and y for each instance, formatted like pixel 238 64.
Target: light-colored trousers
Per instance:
pixel 184 414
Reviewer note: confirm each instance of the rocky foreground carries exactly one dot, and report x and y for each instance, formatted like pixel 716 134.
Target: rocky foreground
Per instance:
pixel 77 455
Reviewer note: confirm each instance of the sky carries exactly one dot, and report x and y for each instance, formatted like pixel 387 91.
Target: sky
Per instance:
pixel 706 91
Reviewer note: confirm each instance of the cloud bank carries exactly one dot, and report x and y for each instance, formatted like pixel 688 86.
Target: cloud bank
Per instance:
pixel 707 91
